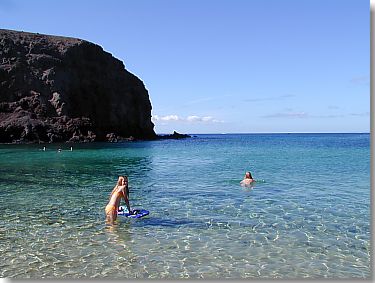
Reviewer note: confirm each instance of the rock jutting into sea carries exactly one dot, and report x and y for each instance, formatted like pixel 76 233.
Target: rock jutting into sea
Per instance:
pixel 61 89
pixel 174 136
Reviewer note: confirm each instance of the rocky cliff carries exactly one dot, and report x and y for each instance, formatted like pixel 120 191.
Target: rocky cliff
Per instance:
pixel 55 89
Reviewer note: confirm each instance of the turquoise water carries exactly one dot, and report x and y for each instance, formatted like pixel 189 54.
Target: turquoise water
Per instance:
pixel 308 216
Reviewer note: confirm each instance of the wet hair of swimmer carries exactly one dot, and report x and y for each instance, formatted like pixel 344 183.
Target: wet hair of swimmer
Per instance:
pixel 125 180
pixel 248 174
pixel 122 178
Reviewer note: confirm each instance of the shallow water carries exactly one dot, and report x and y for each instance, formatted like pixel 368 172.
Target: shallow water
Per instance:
pixel 308 216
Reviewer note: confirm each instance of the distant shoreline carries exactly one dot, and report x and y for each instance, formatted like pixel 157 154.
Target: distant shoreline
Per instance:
pixel 180 136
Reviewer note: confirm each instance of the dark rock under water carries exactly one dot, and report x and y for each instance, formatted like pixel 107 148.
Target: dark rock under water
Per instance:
pixel 60 89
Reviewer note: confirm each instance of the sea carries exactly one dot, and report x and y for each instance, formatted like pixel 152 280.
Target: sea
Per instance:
pixel 306 216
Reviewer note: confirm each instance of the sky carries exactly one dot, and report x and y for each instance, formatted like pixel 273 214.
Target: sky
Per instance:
pixel 228 66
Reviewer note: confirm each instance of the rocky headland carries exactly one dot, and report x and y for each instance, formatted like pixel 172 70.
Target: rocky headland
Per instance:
pixel 174 136
pixel 60 89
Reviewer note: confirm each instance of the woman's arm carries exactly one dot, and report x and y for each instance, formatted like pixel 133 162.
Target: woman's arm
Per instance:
pixel 114 189
pixel 116 186
pixel 125 190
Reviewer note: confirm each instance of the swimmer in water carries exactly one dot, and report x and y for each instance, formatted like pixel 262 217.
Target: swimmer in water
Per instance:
pixel 120 191
pixel 248 179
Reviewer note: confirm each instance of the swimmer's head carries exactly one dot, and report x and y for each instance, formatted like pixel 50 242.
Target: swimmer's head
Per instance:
pixel 248 175
pixel 122 180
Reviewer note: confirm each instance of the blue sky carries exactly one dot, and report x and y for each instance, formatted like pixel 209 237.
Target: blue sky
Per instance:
pixel 240 66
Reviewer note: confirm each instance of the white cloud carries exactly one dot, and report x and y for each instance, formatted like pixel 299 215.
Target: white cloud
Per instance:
pixel 209 119
pixel 189 119
pixel 193 118
pixel 201 119
pixel 165 118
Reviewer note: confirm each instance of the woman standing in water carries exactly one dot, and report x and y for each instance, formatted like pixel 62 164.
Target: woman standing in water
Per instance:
pixel 121 190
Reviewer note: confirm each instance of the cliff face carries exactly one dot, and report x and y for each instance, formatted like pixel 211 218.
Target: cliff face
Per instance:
pixel 55 89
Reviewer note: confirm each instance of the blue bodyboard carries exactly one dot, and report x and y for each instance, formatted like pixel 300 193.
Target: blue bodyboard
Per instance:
pixel 137 213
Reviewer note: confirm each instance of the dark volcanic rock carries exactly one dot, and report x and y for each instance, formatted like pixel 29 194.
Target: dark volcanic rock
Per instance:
pixel 55 89
pixel 175 135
